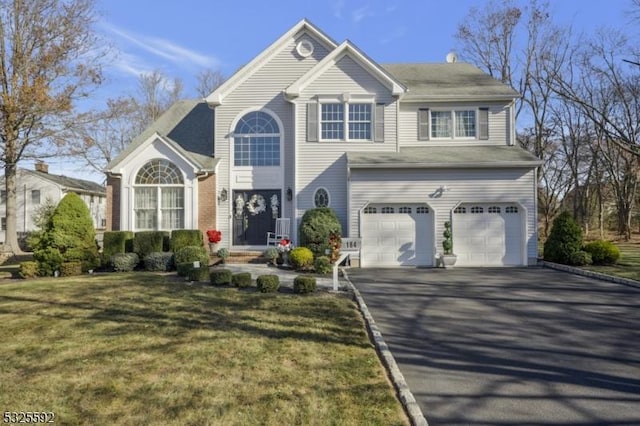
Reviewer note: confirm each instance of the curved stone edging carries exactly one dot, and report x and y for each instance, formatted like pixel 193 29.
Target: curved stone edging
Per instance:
pixel 404 393
pixel 591 274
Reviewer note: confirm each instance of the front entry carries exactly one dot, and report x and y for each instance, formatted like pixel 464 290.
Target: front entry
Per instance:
pixel 254 214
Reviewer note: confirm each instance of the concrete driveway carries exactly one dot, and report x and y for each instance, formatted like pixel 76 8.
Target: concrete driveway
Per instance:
pixel 510 346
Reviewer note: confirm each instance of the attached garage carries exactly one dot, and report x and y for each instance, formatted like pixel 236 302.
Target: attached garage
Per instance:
pixel 488 235
pixel 397 235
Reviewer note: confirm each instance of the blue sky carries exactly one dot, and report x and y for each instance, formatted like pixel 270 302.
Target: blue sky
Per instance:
pixel 181 38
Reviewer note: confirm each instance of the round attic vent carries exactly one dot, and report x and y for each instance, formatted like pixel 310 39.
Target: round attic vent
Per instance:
pixel 452 57
pixel 304 48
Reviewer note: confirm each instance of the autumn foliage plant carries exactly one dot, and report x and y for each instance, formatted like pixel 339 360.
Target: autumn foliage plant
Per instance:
pixel 214 236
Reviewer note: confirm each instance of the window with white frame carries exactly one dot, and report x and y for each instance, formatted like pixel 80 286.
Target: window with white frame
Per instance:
pixel 358 122
pixel 453 124
pixel 159 196
pixel 256 140
pixel 35 197
pixel 321 198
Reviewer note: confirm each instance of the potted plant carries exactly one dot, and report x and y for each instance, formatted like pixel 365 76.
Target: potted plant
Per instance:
pixel 448 258
pixel 284 247
pixel 214 237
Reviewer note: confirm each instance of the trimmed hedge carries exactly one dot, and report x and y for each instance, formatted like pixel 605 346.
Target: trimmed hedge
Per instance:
pixel 603 252
pixel 183 268
pixel 220 276
pixel 181 238
pixel 158 261
pixel 580 258
pixel 146 242
pixel 70 269
pixel 117 242
pixel 301 258
pixel 124 262
pixel 304 284
pixel 199 274
pixel 192 254
pixel 268 283
pixel 241 279
pixel 28 269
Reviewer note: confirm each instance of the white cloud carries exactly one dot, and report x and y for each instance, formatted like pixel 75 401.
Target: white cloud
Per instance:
pixel 337 6
pixel 361 13
pixel 165 49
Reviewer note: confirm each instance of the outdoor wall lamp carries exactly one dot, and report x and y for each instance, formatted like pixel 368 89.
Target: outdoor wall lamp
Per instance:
pixel 222 197
pixel 289 194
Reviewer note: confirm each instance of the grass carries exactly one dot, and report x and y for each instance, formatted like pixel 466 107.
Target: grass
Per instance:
pixel 629 264
pixel 142 348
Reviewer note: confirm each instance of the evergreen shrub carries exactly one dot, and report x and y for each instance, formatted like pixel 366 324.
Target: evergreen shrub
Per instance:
pixel 268 283
pixel 145 242
pixel 124 262
pixel 603 252
pixel 186 237
pixel 322 265
pixel 192 254
pixel 316 226
pixel 304 284
pixel 70 269
pixel 199 274
pixel 241 279
pixel 28 269
pixel 116 242
pixel 158 261
pixel 220 277
pixel 301 258
pixel 564 239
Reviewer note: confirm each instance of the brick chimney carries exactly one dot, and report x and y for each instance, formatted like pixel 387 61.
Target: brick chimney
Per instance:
pixel 41 166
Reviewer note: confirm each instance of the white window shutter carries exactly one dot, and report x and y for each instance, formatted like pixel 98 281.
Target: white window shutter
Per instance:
pixel 423 124
pixel 312 122
pixel 379 123
pixel 483 124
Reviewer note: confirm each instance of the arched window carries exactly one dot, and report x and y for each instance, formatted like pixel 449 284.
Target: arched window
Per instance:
pixel 256 140
pixel 159 196
pixel 321 198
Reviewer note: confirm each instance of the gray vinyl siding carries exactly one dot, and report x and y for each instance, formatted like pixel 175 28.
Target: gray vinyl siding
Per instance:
pixel 499 127
pixel 263 89
pixel 323 163
pixel 465 186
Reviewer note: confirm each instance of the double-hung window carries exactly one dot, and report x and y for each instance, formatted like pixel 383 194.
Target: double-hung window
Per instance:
pixel 357 122
pixel 453 124
pixel 345 117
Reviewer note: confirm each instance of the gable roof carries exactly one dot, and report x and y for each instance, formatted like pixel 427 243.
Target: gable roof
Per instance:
pixel 346 48
pixel 480 156
pixel 69 183
pixel 449 81
pixel 218 95
pixel 187 126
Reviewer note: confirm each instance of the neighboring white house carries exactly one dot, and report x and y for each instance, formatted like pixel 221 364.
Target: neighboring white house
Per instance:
pixel 396 150
pixel 34 187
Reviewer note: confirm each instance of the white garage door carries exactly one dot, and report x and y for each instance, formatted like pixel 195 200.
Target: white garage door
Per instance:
pixel 487 235
pixel 397 235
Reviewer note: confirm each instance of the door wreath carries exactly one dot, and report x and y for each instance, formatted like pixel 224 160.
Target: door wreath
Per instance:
pixel 256 204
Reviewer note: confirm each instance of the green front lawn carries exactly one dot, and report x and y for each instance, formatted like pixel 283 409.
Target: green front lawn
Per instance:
pixel 629 264
pixel 142 348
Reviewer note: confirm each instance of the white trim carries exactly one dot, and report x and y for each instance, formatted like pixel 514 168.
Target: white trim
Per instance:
pixel 453 136
pixel 346 48
pixel 217 97
pixel 352 100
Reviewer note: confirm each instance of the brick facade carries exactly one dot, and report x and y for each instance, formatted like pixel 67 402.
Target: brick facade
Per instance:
pixel 207 203
pixel 113 203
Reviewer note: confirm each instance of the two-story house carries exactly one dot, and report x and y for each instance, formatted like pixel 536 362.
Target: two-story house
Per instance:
pixel 35 187
pixel 396 150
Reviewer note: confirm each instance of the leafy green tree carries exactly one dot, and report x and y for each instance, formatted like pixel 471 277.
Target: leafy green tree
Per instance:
pixel 68 236
pixel 565 239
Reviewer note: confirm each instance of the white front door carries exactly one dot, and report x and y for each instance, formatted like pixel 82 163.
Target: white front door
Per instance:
pixel 397 235
pixel 488 235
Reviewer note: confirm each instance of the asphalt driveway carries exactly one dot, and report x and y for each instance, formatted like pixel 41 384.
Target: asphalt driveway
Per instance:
pixel 510 346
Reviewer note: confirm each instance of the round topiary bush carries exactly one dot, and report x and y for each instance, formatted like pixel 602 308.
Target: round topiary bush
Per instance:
pixel 322 265
pixel 182 269
pixel 580 258
pixel 304 284
pixel 158 261
pixel 271 254
pixel 603 252
pixel 192 254
pixel 316 227
pixel 301 258
pixel 564 239
pixel 220 277
pixel 124 262
pixel 241 279
pixel 268 283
